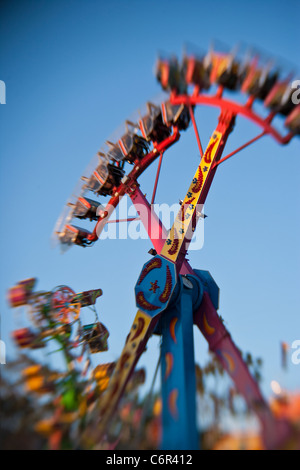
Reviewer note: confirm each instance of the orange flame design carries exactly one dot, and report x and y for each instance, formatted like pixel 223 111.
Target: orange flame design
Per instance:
pixel 172 402
pixel 169 364
pixel 172 328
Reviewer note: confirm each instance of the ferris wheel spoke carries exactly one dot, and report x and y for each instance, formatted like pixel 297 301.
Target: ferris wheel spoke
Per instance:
pixel 136 341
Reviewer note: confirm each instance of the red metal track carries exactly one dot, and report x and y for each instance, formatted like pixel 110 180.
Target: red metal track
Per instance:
pixel 244 110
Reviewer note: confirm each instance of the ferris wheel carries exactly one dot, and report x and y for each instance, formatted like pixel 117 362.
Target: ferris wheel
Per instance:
pixel 172 296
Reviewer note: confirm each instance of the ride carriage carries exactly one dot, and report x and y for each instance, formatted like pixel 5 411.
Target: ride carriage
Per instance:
pixel 195 73
pixel 39 380
pixel 133 146
pixel 279 99
pixel 88 297
pixel 222 69
pixel 177 115
pixel 258 80
pixel 86 208
pixel 73 234
pixel 95 336
pixel 26 338
pixel 102 374
pixel 19 294
pixel 292 122
pixel 152 126
pixel 105 177
pixel 170 75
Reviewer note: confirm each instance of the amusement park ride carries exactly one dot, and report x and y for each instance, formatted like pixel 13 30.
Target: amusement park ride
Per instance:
pixel 171 296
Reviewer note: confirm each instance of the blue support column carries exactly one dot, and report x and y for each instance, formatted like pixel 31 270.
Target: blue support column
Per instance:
pixel 161 292
pixel 178 371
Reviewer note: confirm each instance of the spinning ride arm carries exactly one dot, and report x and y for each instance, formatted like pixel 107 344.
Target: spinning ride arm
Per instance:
pixel 130 180
pixel 141 330
pixel 177 243
pixel 274 432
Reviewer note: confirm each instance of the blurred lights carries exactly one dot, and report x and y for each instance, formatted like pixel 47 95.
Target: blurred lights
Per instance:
pixel 276 388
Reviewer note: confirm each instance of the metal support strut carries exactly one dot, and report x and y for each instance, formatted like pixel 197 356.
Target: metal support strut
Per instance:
pixel 179 429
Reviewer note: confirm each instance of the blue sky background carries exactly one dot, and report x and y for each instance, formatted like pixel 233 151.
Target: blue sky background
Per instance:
pixel 74 71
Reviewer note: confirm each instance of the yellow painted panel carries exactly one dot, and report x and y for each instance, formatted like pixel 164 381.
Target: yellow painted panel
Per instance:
pixel 183 222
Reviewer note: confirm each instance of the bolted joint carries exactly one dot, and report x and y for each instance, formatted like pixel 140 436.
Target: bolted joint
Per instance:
pixel 209 286
pixel 189 284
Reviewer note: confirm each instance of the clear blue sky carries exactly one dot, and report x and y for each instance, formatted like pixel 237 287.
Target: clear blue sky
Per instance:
pixel 75 70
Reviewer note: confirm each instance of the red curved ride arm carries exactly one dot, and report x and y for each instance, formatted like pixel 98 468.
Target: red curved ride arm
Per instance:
pixel 275 432
pixel 235 108
pixel 206 318
pixel 138 169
